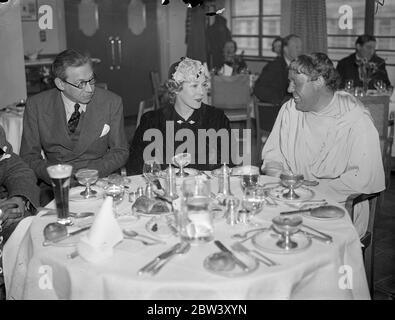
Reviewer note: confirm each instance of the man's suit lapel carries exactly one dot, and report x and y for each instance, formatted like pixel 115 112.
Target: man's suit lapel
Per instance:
pixel 57 114
pixel 91 127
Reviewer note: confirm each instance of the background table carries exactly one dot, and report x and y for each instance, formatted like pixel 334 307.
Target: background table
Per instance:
pixel 12 123
pixel 312 274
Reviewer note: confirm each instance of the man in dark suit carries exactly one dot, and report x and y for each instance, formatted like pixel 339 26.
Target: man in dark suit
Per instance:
pixel 272 84
pixel 348 67
pixel 74 123
pixel 19 194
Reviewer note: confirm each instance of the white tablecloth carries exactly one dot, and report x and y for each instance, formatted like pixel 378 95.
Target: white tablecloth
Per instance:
pixel 36 272
pixel 13 126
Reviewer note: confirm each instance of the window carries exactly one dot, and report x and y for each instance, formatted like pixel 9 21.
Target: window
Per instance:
pixel 255 23
pixel 342 42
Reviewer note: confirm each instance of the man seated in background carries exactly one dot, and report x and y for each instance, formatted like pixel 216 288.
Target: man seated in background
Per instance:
pixel 74 123
pixel 351 67
pixel 272 84
pixel 326 135
pixel 19 195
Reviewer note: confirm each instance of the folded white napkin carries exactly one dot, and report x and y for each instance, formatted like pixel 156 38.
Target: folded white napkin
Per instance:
pixel 104 234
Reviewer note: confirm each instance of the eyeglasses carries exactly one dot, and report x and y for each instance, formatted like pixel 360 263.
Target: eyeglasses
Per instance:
pixel 82 84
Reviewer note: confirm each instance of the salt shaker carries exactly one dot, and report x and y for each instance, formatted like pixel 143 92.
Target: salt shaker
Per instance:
pixel 149 193
pixel 224 181
pixel 171 191
pixel 140 192
pixel 232 214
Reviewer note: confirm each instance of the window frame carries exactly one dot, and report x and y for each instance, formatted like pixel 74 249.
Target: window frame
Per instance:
pixel 260 34
pixel 370 9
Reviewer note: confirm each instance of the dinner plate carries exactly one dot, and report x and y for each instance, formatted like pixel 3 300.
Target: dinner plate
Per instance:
pixel 331 213
pixel 267 241
pixel 74 194
pixel 303 193
pixel 191 173
pixel 237 171
pixel 215 263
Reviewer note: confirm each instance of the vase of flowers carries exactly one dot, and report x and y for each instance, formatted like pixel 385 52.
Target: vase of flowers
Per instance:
pixel 366 70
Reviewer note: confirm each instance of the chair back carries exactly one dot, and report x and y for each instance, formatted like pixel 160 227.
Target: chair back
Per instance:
pixel 368 239
pixel 231 92
pixel 155 82
pixel 144 106
pixel 379 110
pixel 265 116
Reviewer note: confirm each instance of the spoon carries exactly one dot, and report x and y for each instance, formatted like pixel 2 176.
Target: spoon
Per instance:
pixel 55 232
pixel 326 211
pixel 132 234
pixel 244 234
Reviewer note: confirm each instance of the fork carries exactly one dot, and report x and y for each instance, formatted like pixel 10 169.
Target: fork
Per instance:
pixel 182 250
pixel 244 234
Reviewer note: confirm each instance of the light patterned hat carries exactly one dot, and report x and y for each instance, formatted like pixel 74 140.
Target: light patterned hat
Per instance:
pixel 190 70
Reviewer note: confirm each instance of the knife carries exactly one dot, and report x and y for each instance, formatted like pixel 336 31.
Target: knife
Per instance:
pixel 220 245
pixel 162 256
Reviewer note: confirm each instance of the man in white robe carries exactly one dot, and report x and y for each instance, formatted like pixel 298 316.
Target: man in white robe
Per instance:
pixel 326 135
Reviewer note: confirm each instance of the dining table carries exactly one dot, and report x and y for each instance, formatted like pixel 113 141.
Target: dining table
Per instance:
pixel 319 270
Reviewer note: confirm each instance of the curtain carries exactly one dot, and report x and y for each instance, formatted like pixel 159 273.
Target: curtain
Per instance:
pixel 308 20
pixel 196 34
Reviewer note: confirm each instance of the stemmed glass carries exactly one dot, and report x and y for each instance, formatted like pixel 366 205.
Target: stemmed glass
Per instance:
pixel 291 181
pixel 287 227
pixel 87 177
pixel 379 85
pixel 349 87
pixel 181 160
pixel 151 170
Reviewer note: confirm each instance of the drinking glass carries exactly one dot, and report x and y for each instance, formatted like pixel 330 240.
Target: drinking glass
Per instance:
pixel 117 192
pixel 195 219
pixel 252 201
pixel 87 177
pixel 151 170
pixel 380 86
pixel 249 180
pixel 60 179
pixel 181 160
pixel 349 87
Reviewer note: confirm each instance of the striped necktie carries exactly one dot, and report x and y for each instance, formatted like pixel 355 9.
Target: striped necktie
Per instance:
pixel 75 117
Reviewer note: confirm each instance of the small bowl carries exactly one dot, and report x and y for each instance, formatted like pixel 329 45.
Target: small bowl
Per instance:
pixel 288 225
pixel 291 180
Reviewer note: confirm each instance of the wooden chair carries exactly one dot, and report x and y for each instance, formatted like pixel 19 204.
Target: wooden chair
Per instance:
pixel 368 240
pixel 233 95
pixel 144 106
pixel 264 123
pixel 155 82
pixel 379 109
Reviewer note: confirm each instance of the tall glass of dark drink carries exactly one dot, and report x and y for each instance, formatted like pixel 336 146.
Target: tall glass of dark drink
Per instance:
pixel 60 177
